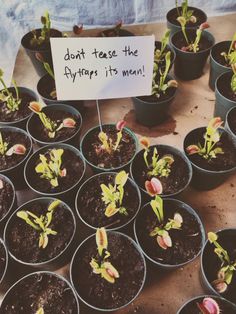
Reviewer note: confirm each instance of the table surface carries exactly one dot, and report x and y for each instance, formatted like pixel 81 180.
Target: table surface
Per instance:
pixel 164 292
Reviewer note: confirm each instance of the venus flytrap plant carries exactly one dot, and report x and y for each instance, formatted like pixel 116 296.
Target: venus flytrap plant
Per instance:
pixel 41 224
pixel 159 54
pixel 17 149
pixel 45 32
pixel 208 306
pixel 40 311
pixel 185 13
pixel 101 266
pixel 233 79
pixel 230 56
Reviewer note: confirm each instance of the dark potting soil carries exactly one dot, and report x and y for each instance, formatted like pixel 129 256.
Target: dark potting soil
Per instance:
pixel 96 290
pixel 222 161
pixel 6 198
pixel 232 121
pixel 180 42
pixel 13 138
pixel 23 240
pixel 212 263
pixel 24 111
pixel 74 170
pixel 218 49
pixel 177 178
pixel 173 15
pixel 224 87
pixel 169 93
pixel 3 259
pixel 98 157
pixel 192 307
pixel 92 208
pixel 40 290
pixel 186 243
pixel 45 45
pixel 39 132
pixel 45 86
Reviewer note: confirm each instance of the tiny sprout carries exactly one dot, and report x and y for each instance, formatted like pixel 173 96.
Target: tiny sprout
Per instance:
pixel 45 32
pixel 51 126
pixel 233 79
pixel 51 169
pixel 159 54
pixel 17 149
pixel 230 56
pixel 77 29
pixel 186 14
pixel 40 224
pixel 208 306
pixel 40 311
pixel 103 267
pixel 12 103
pixel 112 196
pixel 212 137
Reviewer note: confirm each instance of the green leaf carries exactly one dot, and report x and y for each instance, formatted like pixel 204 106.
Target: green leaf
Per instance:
pixel 121 178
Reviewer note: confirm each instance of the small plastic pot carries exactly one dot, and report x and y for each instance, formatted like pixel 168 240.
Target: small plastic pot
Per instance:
pixel 22 122
pixel 175 27
pixel 226 238
pixel 122 33
pixel 173 55
pixel 173 203
pixel 152 113
pixel 189 65
pixel 204 179
pixel 45 51
pixel 223 103
pixel 4 271
pixel 34 120
pixel 228 125
pixel 216 68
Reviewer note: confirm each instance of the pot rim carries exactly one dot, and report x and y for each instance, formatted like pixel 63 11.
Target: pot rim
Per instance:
pixel 6 179
pixel 217 89
pixel 215 45
pixel 7 261
pixel 227 119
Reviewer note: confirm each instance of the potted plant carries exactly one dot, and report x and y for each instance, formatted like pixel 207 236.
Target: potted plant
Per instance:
pixel 169 232
pixel 225 93
pixel 15 148
pixel 40 292
pixel 14 103
pixel 192 48
pixel 222 56
pixel 152 110
pixel 116 31
pixel 212 153
pixel 164 162
pixel 230 124
pixel 54 124
pixel 108 199
pixel 207 304
pixel 3 261
pixel 110 147
pixel 108 270
pixel 49 226
pixel 55 170
pixel 38 41
pixel 218 264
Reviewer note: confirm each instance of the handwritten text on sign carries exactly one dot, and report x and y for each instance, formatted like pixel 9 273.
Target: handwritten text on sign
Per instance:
pixel 100 68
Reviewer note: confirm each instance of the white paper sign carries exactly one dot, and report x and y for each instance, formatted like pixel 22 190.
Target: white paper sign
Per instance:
pixel 100 68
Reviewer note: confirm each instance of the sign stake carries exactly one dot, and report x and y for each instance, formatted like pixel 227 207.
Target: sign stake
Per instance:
pixel 99 115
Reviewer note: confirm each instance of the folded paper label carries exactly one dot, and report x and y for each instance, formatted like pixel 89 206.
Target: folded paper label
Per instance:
pixel 101 68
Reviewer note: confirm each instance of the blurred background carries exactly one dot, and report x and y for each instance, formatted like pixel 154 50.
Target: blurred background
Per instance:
pixel 19 16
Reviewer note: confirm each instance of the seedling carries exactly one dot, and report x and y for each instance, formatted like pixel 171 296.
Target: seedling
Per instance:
pixel 113 32
pixel 185 13
pixel 12 103
pixel 159 54
pixel 17 149
pixel 160 167
pixel 233 79
pixel 40 311
pixel 230 56
pixel 51 126
pixel 164 240
pixel 102 266
pixel 228 267
pixel 112 195
pixel 50 167
pixel 41 224
pixel 208 306
pixel 107 143
pixel 44 34
pixel 212 137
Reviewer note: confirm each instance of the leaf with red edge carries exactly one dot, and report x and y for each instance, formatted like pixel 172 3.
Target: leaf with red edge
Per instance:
pixel 154 187
pixel 120 125
pixel 69 123
pixel 17 149
pixel 209 306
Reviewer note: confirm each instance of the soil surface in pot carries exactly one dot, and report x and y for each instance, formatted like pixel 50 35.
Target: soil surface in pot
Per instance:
pixel 45 45
pixel 6 197
pixel 74 170
pixel 177 178
pixel 40 290
pixel 186 243
pixel 222 161
pixel 179 41
pixel 212 263
pixel 8 116
pixel 98 157
pixel 96 290
pixel 13 138
pixel 23 240
pixel 3 259
pixel 169 93
pixel 192 307
pixel 39 132
pixel 224 87
pixel 232 121
pixel 216 53
pixel 92 208
pixel 173 15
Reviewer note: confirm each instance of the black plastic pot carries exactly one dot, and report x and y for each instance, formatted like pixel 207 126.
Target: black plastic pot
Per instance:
pixel 4 271
pixel 216 68
pixel 44 51
pixel 189 65
pixel 15 173
pixel 34 120
pixel 204 179
pixel 175 27
pixel 138 231
pixel 223 103
pixel 54 263
pixel 172 59
pixel 226 238
pixel 152 113
pixel 228 123
pixel 122 33
pixel 22 122
pixel 17 294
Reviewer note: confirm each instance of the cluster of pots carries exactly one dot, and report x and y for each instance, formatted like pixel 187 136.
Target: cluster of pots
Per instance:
pixel 79 199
